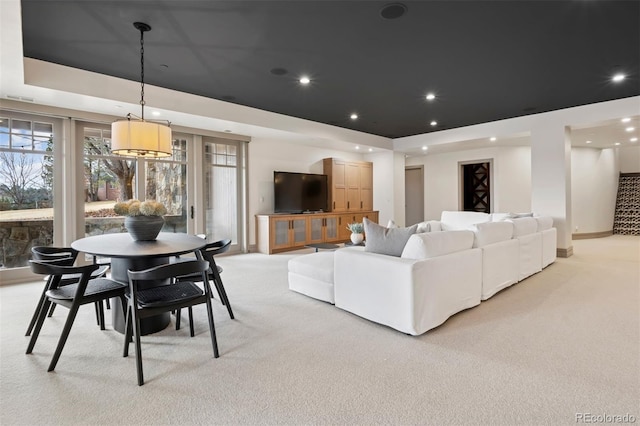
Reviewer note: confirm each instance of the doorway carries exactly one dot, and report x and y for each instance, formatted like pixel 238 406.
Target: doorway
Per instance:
pixel 476 187
pixel 413 195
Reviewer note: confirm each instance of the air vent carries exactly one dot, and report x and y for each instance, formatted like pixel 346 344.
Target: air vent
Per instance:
pixel 20 98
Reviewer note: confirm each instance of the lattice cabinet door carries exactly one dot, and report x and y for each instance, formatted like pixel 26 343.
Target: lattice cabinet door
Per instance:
pixel 476 187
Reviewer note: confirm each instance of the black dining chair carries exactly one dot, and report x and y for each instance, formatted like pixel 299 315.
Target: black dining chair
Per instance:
pixel 161 292
pixel 72 296
pixel 56 253
pixel 208 253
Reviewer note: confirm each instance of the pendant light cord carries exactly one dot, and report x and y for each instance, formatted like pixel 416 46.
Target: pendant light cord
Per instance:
pixel 142 71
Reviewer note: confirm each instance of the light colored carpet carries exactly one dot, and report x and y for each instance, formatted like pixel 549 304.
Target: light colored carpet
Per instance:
pixel 562 342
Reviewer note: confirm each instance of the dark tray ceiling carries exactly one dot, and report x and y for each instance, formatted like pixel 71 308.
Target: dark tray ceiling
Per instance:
pixel 485 60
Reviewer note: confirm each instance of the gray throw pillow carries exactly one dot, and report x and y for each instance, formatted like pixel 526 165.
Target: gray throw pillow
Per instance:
pixel 389 241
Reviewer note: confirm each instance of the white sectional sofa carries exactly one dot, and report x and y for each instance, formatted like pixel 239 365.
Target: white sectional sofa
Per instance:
pixel 417 291
pixel 450 266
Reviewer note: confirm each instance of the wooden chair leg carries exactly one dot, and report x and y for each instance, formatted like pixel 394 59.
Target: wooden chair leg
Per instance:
pixel 223 296
pixel 138 351
pixel 212 330
pixel 100 312
pixel 38 325
pixel 36 313
pixel 127 331
pixel 217 281
pixel 63 338
pixel 190 309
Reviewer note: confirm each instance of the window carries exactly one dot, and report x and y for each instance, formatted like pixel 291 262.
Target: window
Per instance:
pixel 224 189
pixel 26 187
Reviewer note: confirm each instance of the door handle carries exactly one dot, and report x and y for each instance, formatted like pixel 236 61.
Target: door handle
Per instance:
pixel 192 212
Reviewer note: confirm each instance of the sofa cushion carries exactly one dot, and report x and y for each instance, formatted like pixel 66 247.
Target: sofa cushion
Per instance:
pixel 524 226
pixel 389 241
pixel 544 223
pixel 428 226
pixel 451 221
pixel 499 217
pixel 519 215
pixel 314 265
pixel 491 232
pixel 432 244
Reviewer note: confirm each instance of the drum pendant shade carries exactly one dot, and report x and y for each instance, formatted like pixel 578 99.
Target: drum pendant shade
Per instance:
pixel 135 137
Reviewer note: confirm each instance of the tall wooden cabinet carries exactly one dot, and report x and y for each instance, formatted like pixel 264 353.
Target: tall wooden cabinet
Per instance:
pixel 350 185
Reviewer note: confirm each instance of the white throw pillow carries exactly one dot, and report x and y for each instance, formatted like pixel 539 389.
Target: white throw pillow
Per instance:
pixel 432 244
pixel 524 226
pixel 451 220
pixel 392 224
pixel 544 223
pixel 491 232
pixel 389 241
pixel 499 217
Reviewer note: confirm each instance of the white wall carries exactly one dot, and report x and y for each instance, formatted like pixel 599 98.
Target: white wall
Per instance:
pixel 388 185
pixel 594 185
pixel 266 156
pixel 511 178
pixel 629 159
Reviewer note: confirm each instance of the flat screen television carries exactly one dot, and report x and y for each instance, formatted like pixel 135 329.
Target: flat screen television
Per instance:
pixel 299 192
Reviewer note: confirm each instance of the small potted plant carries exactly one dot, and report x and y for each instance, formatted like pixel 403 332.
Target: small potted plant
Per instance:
pixel 143 219
pixel 357 232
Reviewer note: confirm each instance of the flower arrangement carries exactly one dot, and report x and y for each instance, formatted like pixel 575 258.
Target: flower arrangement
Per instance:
pixel 140 208
pixel 356 227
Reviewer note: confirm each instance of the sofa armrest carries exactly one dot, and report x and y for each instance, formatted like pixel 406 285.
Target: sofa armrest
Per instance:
pixel 409 295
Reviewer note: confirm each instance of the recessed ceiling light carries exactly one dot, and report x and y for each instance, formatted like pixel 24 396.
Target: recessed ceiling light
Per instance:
pixel 430 96
pixel 354 116
pixel 626 120
pixel 618 77
pixel 393 11
pixel 370 149
pixel 493 139
pixel 617 143
pixel 434 123
pixel 633 140
pixel 305 80
pixel 588 142
pixel 424 148
pixel 630 129
pixel 357 147
pixel 156 113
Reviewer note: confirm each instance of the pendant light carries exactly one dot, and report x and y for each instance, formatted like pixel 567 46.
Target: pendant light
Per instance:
pixel 135 136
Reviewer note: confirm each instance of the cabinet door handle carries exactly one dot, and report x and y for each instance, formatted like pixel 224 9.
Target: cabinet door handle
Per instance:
pixel 334 205
pixel 361 205
pixel 348 204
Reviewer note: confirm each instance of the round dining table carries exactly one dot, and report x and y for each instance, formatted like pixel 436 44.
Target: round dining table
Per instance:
pixel 128 254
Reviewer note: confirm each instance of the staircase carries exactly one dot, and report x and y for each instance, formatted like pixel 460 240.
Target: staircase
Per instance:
pixel 626 220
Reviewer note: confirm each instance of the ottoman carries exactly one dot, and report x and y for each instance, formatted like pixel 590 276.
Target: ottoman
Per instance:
pixel 312 275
